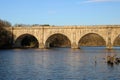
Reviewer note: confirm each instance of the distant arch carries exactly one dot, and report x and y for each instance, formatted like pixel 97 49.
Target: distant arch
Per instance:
pixel 57 40
pixel 26 41
pixel 116 42
pixel 91 39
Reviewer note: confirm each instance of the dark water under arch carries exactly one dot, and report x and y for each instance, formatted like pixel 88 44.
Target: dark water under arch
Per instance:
pixel 27 41
pixel 58 40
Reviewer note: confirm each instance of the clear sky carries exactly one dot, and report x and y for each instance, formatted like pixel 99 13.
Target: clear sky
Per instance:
pixel 61 12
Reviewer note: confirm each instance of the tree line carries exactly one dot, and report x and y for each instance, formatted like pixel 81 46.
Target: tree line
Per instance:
pixel 5 36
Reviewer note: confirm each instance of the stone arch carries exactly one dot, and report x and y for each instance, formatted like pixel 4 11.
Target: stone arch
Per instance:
pixel 57 40
pixel 92 39
pixel 26 41
pixel 116 41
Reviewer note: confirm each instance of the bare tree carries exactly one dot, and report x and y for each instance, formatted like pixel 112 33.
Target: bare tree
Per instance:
pixel 5 35
pixel 4 23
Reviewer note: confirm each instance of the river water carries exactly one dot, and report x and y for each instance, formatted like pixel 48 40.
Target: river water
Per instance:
pixel 58 64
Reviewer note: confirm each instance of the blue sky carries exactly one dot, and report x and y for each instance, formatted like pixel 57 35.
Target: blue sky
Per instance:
pixel 61 12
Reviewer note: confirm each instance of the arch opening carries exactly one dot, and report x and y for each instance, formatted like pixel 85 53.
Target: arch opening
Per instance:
pixel 26 41
pixel 57 40
pixel 116 42
pixel 92 39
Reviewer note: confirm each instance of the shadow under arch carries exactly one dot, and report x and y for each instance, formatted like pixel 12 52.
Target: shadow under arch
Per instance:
pixel 26 41
pixel 92 39
pixel 58 40
pixel 116 42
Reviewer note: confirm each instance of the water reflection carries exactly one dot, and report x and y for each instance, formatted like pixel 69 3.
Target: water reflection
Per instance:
pixel 58 64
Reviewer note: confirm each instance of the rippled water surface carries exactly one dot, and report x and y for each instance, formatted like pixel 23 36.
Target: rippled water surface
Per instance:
pixel 58 64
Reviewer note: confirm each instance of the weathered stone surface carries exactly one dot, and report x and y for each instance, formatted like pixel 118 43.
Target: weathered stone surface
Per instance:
pixel 109 33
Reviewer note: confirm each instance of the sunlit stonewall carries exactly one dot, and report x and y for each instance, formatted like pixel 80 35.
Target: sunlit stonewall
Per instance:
pixel 71 36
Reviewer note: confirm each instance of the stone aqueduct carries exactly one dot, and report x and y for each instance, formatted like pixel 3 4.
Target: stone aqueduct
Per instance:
pixel 74 33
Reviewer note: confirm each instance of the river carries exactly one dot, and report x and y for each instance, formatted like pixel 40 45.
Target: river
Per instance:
pixel 58 64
